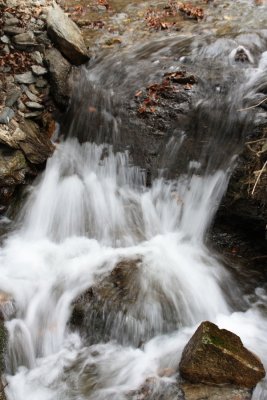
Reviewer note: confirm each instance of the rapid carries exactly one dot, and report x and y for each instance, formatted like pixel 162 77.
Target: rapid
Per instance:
pixel 93 207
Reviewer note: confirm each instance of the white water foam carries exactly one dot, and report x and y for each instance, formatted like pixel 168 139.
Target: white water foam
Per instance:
pixel 90 210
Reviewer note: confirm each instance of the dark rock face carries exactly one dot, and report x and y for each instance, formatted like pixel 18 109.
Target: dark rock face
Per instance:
pixel 217 356
pixel 36 147
pixel 96 311
pixel 66 35
pixel 59 71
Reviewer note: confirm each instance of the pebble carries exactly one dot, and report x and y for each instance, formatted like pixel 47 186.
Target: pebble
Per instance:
pixel 41 83
pixel 34 105
pixel 11 22
pixel 25 41
pixel 13 30
pixel 38 70
pixel 6 49
pixel 33 89
pixel 32 114
pixel 37 57
pixel 31 95
pixel 4 39
pixel 6 115
pixel 12 96
pixel 27 78
pixel 21 106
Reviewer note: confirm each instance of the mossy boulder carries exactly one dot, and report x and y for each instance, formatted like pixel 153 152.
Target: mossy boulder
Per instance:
pixel 217 356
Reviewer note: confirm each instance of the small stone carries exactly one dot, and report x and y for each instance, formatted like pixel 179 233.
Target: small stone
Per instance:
pixel 38 70
pixel 8 14
pixel 37 57
pixel 12 96
pixel 31 95
pixel 25 41
pixel 11 21
pixel 33 114
pixel 41 83
pixel 6 49
pixel 33 89
pixel 4 39
pixel 21 106
pixel 6 115
pixel 13 30
pixel 40 23
pixel 27 78
pixel 34 105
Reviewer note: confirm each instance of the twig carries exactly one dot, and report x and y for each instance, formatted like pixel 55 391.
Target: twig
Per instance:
pixel 256 141
pixel 258 178
pixel 256 105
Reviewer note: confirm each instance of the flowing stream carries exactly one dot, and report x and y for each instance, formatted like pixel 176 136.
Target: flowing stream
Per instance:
pixel 93 208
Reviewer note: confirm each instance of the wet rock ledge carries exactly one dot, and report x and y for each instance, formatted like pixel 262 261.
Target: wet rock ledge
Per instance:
pixel 39 45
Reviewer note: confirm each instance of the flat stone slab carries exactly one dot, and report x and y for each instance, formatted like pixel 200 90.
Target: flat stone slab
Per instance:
pixel 66 35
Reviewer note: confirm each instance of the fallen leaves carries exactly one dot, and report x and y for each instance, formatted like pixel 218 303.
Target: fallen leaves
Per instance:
pixel 149 100
pixel 17 61
pixel 163 19
pixel 191 11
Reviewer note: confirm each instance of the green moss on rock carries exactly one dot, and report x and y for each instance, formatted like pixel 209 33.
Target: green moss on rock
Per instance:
pixel 217 356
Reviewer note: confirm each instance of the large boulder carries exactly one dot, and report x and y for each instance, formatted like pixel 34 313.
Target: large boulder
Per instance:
pixel 217 356
pixel 66 36
pixel 59 72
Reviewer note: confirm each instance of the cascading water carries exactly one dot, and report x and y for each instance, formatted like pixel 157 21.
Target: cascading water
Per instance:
pixel 93 209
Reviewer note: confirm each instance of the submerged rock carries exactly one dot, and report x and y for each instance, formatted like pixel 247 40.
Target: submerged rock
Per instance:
pixel 66 35
pixel 217 356
pixel 3 344
pixel 207 392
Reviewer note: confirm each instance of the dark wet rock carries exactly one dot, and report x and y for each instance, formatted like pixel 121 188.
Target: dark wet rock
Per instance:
pixel 207 392
pixel 59 72
pixel 27 78
pixel 66 36
pixel 217 356
pixel 242 55
pixel 245 201
pixel 6 115
pixel 96 311
pixel 25 41
pixel 35 145
pixel 38 70
pixel 13 167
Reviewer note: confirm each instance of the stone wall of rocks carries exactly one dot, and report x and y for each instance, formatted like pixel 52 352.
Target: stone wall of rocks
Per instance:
pixel 34 83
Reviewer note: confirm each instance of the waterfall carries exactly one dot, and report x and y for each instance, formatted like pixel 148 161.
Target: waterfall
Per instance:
pixel 93 208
